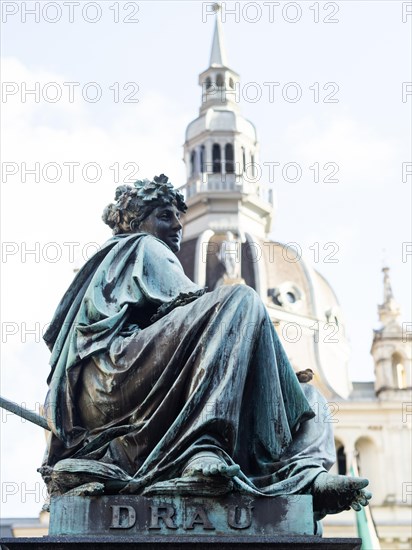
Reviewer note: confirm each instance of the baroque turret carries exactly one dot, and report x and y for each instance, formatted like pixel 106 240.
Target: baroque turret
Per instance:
pixel 391 347
pixel 226 233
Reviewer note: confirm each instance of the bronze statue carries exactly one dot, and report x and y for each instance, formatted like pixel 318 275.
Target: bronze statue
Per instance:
pixel 157 387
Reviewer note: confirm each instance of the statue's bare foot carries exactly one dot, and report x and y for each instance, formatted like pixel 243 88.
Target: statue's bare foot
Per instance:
pixel 86 490
pixel 209 465
pixel 204 475
pixel 334 493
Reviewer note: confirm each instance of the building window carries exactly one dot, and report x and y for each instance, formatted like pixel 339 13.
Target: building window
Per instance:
pixel 208 83
pixel 231 83
pixel 398 371
pixel 340 466
pixel 333 317
pixel 219 80
pixel 192 163
pixel 287 295
pixel 341 460
pixel 243 159
pixel 216 159
pixel 368 458
pixel 290 297
pixel 202 159
pixel 230 164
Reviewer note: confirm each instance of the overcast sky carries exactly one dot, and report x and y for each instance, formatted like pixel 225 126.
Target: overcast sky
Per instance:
pixel 117 84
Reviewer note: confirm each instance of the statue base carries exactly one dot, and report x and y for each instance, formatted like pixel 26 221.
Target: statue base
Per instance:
pixel 230 522
pixel 181 543
pixel 175 515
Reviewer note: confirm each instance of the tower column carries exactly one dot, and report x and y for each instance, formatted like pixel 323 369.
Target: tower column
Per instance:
pixel 223 158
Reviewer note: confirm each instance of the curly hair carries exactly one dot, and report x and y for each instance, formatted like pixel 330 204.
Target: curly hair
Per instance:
pixel 133 204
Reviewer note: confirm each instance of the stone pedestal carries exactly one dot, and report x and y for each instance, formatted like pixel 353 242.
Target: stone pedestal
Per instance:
pixel 178 516
pixel 176 522
pixel 172 542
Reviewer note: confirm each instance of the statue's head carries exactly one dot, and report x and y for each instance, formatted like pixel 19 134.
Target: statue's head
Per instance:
pixel 148 206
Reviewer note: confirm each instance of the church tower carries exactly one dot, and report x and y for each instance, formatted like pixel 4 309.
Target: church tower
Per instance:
pixel 391 348
pixel 228 204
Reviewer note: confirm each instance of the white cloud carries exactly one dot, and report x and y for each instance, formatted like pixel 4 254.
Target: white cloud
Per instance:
pixel 364 157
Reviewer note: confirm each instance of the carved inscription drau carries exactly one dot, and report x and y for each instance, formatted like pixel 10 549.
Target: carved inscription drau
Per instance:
pixel 164 515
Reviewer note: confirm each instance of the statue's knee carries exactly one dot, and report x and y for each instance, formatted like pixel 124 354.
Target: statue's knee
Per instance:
pixel 246 300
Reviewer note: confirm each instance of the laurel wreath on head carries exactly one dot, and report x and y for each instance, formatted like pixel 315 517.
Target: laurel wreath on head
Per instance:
pixel 145 191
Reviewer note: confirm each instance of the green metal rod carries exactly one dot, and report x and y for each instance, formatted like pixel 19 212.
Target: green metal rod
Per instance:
pixel 24 413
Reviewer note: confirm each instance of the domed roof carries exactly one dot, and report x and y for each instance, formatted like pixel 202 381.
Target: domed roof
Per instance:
pixel 215 119
pixel 283 265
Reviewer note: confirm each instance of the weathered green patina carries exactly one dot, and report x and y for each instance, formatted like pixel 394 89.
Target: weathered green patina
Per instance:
pixel 159 388
pixel 131 516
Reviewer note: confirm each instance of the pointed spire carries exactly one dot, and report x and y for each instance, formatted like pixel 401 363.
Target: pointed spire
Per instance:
pixel 389 311
pixel 218 54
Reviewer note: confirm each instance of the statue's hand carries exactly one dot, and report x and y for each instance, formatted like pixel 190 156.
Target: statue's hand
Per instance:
pixel 362 499
pixel 335 493
pixel 183 299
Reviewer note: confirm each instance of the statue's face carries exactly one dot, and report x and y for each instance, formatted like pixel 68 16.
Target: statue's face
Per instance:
pixel 164 223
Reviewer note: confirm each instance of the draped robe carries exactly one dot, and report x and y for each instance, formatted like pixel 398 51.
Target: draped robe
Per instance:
pixel 207 373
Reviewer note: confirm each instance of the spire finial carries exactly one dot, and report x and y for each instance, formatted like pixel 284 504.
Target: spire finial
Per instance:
pixel 218 54
pixel 389 309
pixel 387 287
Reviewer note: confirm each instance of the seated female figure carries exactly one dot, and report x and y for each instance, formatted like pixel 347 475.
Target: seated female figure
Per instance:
pixel 158 387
